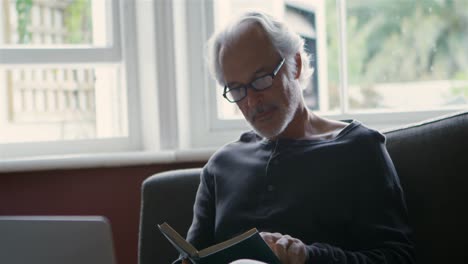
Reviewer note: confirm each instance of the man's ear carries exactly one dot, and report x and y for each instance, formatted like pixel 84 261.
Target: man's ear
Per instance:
pixel 298 60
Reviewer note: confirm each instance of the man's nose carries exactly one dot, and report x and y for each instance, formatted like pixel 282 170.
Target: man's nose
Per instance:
pixel 253 97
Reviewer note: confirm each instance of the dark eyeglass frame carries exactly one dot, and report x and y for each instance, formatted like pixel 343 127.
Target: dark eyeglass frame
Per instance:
pixel 272 75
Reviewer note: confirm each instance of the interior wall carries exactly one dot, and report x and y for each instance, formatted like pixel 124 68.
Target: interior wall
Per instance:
pixel 110 192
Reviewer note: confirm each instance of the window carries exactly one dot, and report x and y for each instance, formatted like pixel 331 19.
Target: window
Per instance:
pixel 385 63
pixel 63 77
pixel 85 76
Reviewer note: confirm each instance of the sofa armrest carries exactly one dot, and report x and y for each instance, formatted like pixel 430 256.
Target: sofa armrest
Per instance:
pixel 166 197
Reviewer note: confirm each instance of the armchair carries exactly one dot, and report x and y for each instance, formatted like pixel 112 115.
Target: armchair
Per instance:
pixel 431 160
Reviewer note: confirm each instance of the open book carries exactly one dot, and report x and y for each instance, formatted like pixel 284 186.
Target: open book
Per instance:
pixel 249 245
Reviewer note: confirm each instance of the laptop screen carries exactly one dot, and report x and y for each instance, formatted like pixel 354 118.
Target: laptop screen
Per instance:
pixel 56 240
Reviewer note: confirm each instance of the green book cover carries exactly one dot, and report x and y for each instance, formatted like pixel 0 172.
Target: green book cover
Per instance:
pixel 249 245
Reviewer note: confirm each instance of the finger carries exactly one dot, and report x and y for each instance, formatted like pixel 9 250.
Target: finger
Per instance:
pixel 277 235
pixel 281 248
pixel 289 240
pixel 293 253
pixel 297 252
pixel 268 238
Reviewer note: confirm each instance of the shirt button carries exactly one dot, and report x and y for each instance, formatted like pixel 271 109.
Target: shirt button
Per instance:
pixel 270 188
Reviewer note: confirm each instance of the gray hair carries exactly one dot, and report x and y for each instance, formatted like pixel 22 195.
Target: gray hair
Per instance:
pixel 286 42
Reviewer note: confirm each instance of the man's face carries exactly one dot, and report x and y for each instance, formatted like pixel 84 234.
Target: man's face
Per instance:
pixel 248 57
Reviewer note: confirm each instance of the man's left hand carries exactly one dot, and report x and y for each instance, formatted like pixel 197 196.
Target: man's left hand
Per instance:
pixel 288 249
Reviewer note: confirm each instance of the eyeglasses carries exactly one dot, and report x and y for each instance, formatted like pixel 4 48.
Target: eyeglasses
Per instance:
pixel 236 94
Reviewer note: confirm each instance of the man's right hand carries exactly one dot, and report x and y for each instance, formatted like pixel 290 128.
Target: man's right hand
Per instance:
pixel 289 250
pixel 185 261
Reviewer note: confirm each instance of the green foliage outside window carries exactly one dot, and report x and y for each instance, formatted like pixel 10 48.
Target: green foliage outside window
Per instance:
pixel 77 21
pixel 399 41
pixel 23 7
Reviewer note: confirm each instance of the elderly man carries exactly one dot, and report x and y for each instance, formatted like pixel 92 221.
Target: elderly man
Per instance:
pixel 321 191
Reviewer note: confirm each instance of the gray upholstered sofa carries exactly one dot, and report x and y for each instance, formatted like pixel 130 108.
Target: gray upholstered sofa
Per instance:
pixel 432 162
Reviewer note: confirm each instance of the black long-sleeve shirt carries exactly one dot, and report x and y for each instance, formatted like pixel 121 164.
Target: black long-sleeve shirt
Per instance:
pixel 341 197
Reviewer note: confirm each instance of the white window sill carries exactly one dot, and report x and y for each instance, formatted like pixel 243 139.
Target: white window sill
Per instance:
pixel 104 160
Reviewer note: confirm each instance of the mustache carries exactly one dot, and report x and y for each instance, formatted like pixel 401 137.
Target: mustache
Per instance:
pixel 259 109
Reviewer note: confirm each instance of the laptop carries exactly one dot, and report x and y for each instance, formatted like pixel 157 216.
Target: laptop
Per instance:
pixel 56 240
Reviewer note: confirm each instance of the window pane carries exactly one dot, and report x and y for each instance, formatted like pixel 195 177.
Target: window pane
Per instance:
pixel 44 103
pixel 53 22
pixel 407 55
pixel 301 16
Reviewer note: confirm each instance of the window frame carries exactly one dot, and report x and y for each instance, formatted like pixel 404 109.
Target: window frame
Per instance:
pixel 121 50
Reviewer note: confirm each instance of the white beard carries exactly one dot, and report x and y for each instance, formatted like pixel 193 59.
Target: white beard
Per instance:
pixel 287 113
